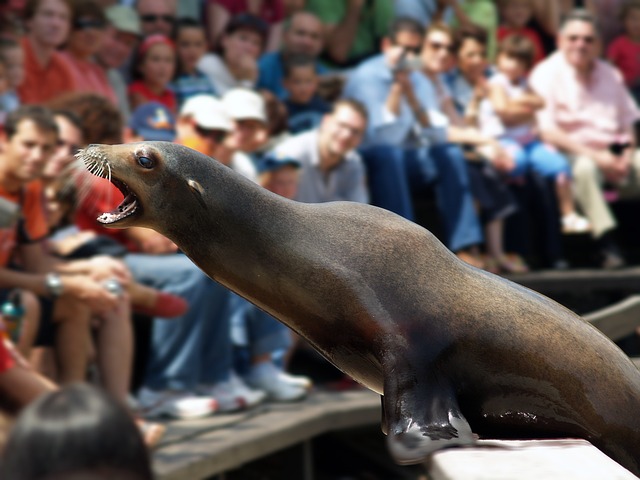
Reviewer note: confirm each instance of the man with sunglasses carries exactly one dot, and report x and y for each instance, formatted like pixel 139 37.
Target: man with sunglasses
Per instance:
pixel 406 145
pixel 157 16
pixel 589 115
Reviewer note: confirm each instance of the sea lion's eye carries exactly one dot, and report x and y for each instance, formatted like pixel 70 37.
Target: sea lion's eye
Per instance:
pixel 146 162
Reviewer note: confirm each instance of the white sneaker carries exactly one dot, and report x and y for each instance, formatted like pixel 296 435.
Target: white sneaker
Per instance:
pixel 233 394
pixel 280 387
pixel 574 223
pixel 174 404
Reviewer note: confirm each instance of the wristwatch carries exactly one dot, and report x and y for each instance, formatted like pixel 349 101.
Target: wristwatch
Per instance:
pixel 54 284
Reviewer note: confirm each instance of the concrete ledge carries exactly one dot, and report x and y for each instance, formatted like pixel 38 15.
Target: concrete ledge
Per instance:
pixel 526 460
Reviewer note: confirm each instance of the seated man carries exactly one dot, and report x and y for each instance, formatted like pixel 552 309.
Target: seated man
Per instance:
pixel 331 169
pixel 406 141
pixel 303 35
pixel 589 115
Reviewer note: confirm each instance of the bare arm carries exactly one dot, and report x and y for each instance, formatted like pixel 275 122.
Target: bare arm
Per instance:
pixel 339 38
pixel 217 18
pixel 511 112
pixel 150 241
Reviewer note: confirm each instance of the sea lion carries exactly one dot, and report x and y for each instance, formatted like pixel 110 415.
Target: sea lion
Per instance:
pixel 452 349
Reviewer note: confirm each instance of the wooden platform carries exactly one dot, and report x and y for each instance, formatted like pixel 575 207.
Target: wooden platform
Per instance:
pixel 198 449
pixel 204 448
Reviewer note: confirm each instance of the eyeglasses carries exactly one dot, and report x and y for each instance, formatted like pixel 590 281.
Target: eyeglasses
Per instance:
pixel 154 18
pixel 440 46
pixel 87 23
pixel 588 39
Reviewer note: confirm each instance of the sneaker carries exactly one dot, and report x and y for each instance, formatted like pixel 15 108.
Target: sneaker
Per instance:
pixel 280 387
pixel 233 394
pixel 574 223
pixel 174 404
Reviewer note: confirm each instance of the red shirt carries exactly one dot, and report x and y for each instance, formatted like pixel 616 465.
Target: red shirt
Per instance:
pixel 272 11
pixel 43 82
pixel 167 97
pixel 531 34
pixel 6 360
pixel 32 224
pixel 624 53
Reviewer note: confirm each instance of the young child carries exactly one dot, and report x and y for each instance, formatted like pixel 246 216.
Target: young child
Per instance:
pixel 153 70
pixel 514 105
pixel 624 51
pixel 12 55
pixel 515 15
pixel 305 108
pixel 191 45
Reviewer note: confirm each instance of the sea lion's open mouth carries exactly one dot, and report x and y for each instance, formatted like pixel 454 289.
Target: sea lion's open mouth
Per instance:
pixel 127 207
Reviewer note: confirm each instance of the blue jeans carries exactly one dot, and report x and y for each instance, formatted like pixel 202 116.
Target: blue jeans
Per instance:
pixel 536 157
pixel 394 171
pixel 196 347
pixel 255 333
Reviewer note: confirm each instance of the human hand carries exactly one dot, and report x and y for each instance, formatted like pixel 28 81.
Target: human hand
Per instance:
pixel 90 291
pixel 103 267
pixel 615 168
pixel 247 68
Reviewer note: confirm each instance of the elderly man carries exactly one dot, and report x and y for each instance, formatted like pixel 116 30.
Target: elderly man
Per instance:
pixel 590 116
pixel 303 34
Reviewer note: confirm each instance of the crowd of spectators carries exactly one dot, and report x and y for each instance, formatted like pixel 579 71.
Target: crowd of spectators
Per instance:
pixel 372 101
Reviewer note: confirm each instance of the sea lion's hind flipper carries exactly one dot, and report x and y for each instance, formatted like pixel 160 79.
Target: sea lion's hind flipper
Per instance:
pixel 421 420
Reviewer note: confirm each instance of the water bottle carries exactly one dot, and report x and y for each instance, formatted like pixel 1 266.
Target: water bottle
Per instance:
pixel 12 315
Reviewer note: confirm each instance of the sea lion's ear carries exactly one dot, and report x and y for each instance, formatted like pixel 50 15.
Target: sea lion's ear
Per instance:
pixel 198 191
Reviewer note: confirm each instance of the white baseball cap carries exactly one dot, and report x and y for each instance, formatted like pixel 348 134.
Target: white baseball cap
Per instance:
pixel 208 112
pixel 244 104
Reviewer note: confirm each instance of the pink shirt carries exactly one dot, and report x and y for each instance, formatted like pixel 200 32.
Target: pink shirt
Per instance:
pixel 595 114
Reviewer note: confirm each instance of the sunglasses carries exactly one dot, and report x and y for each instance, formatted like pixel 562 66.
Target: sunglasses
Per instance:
pixel 215 135
pixel 588 39
pixel 87 23
pixel 154 18
pixel 440 46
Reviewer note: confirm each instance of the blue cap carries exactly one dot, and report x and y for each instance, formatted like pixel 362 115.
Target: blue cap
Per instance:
pixel 153 121
pixel 275 160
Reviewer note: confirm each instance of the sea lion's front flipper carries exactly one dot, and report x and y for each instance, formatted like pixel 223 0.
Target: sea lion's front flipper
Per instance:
pixel 421 417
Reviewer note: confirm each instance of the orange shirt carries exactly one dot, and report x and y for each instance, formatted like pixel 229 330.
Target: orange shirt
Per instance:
pixel 32 224
pixel 43 82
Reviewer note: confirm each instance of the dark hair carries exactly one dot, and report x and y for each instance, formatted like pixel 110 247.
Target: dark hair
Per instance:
pixel 627 7
pixel 76 429
pixel 7 43
pixel 296 60
pixel 404 24
pixel 31 7
pixel 471 32
pixel 519 48
pixel 245 21
pixel 87 9
pixel 41 116
pixel 276 111
pixel 72 117
pixel 102 121
pixel 579 15
pixel 351 103
pixel 185 23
